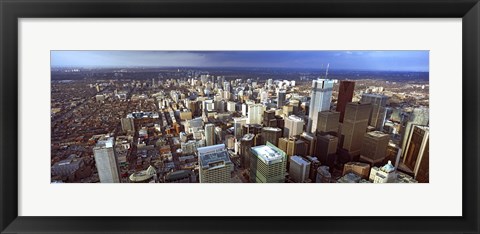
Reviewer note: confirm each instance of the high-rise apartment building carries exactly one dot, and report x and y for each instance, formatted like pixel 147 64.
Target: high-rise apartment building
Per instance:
pixel 268 164
pixel 345 95
pixel 299 169
pixel 354 126
pixel 378 111
pixel 106 160
pixel 293 126
pixel 215 164
pixel 321 95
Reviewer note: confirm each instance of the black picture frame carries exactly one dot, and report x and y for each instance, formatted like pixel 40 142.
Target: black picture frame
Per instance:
pixel 11 11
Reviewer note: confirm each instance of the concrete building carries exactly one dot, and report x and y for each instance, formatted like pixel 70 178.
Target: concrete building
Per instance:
pixel 321 95
pixel 246 143
pixel 385 174
pixel 281 98
pixel 374 149
pixel 238 126
pixel 210 134
pixel 293 126
pixel 268 164
pixel 416 158
pixel 361 169
pixel 328 121
pixel 326 148
pixel 106 161
pixel 127 124
pixel 418 116
pixel 378 111
pixel 215 164
pixel 345 95
pixel 354 126
pixel 271 135
pixel 255 114
pixel 299 169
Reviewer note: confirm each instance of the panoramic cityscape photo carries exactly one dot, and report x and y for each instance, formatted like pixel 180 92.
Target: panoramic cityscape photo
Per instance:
pixel 240 116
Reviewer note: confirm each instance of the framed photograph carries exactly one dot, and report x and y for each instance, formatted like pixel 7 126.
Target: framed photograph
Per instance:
pixel 239 116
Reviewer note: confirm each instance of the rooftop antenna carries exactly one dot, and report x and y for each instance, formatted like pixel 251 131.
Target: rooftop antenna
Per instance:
pixel 326 71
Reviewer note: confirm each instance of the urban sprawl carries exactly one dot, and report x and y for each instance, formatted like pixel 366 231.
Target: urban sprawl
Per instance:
pixel 177 125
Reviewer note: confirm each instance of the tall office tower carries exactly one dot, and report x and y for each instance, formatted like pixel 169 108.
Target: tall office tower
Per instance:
pixel 326 148
pixel 310 142
pixel 418 116
pixel 417 153
pixel 287 110
pixel 314 164
pixel 231 106
pixel 281 98
pixel 255 112
pixel 299 169
pixel 293 126
pixel 269 119
pixel 215 164
pixel 345 95
pixel 127 124
pixel 283 144
pixel 354 126
pixel 219 135
pixel 246 143
pixel 320 101
pixel 374 148
pixel 328 121
pixel 238 126
pixel 271 135
pixel 268 164
pixel 295 106
pixel 379 110
pixel 210 134
pixel 106 160
pixel 244 109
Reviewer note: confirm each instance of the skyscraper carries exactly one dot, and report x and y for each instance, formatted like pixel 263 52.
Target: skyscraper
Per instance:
pixel 374 148
pixel 106 161
pixel 293 126
pixel 299 169
pixel 418 116
pixel 378 111
pixel 210 134
pixel 320 101
pixel 326 148
pixel 417 153
pixel 238 126
pixel 328 121
pixel 268 164
pixel 271 135
pixel 246 143
pixel 255 113
pixel 215 164
pixel 354 126
pixel 345 95
pixel 281 98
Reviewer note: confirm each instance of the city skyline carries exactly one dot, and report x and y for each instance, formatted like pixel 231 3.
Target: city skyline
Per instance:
pixel 381 60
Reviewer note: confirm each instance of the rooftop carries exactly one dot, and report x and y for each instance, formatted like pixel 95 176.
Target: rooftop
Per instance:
pixel 105 142
pixel 215 159
pixel 268 154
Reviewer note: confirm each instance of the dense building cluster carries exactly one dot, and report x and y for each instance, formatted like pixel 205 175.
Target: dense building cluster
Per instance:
pixel 190 126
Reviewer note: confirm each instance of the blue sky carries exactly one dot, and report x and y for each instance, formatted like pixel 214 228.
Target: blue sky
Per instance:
pixel 341 60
